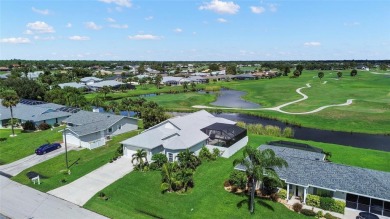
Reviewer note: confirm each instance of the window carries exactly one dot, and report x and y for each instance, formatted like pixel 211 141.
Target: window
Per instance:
pixel 322 192
pixel 110 129
pixel 170 157
pixel 119 127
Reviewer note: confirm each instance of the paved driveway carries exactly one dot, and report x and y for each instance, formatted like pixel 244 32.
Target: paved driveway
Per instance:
pixel 19 201
pixel 81 190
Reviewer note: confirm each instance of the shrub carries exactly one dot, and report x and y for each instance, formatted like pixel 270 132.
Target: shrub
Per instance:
pixel 159 160
pixel 319 214
pixel 205 154
pixel 313 200
pixel 56 124
pixel 282 193
pixel 326 203
pixel 3 139
pixel 226 183
pixel 274 197
pixel 29 126
pixel 238 178
pixel 308 212
pixel 44 126
pixel 329 216
pixel 338 206
pixel 216 152
pixel 119 151
pixel 297 207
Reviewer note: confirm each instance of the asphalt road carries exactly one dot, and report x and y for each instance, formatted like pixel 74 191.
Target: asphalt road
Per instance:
pixel 19 201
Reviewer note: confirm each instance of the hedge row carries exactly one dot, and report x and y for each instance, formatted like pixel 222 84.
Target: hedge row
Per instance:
pixel 325 203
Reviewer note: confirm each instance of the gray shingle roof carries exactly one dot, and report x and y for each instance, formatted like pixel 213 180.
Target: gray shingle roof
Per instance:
pixel 87 79
pixel 109 83
pixel 72 84
pixel 90 122
pixel 303 169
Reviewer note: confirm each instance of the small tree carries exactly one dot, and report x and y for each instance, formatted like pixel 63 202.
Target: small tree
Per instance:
pixel 185 86
pixel 320 75
pixel 339 74
pixel 157 81
pixel 297 73
pixel 105 90
pixel 29 126
pixel 139 158
pixel 353 73
pixel 9 100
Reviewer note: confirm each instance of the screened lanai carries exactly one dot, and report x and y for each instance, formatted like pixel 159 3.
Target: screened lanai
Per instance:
pixel 224 135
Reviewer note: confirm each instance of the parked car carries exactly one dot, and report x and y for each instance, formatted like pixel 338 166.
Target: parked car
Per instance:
pixel 43 149
pixel 366 215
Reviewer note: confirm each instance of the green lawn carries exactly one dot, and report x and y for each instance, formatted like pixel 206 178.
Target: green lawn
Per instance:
pixel 137 195
pixel 369 113
pixel 24 144
pixel 82 162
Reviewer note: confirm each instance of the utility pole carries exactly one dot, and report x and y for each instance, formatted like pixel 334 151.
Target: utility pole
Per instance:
pixel 66 150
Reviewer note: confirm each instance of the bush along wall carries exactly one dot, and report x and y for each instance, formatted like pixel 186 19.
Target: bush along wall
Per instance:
pixel 282 194
pixel 326 203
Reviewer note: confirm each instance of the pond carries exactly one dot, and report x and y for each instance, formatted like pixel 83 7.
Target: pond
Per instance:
pixel 232 98
pixel 360 140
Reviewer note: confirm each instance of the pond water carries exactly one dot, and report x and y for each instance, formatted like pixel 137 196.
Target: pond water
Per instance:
pixel 232 98
pixel 369 141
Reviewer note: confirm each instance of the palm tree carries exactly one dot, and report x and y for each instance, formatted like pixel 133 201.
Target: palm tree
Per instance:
pixel 259 165
pixel 185 86
pixel 97 101
pixel 139 157
pixel 105 90
pixel 169 181
pixel 127 105
pixel 157 81
pixel 113 106
pixel 9 99
pixel 320 75
pixel 193 85
pixel 185 178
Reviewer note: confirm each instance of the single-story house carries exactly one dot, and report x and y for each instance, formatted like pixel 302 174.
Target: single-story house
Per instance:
pixel 33 75
pixel 35 111
pixel 92 129
pixel 72 84
pixel 222 72
pixel 243 77
pixel 201 74
pixel 109 83
pixel 169 80
pixel 90 80
pixel 308 173
pixel 192 131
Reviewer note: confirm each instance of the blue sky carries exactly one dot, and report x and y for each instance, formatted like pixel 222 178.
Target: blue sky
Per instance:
pixel 194 30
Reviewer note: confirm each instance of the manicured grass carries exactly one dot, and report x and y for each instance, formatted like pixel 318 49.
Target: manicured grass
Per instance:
pixel 24 144
pixel 182 101
pixel 82 162
pixel 137 195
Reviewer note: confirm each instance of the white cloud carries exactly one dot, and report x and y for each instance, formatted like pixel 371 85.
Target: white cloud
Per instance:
pixel 68 25
pixel 220 7
pixel 144 37
pixel 178 30
pixel 312 44
pixel 44 38
pixel 112 20
pixel 257 10
pixel 273 7
pixel 39 27
pixel 79 38
pixel 15 40
pixel 43 12
pixel 119 26
pixel 221 20
pixel 149 18
pixel 122 3
pixel 352 24
pixel 91 25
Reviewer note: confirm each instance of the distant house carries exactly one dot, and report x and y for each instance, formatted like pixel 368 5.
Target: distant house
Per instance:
pixel 109 83
pixel 72 84
pixel 92 129
pixel 169 80
pixel 36 111
pixel 33 75
pixel 216 73
pixel 202 74
pixel 243 77
pixel 90 80
pixel 4 69
pixel 192 131
pixel 308 173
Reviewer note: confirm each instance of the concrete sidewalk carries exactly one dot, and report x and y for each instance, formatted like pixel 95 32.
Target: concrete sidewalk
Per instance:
pixel 19 201
pixel 18 166
pixel 81 190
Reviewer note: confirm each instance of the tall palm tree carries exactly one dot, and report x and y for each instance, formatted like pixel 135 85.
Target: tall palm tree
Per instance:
pixel 140 157
pixel 185 86
pixel 113 106
pixel 157 81
pixel 9 99
pixel 193 85
pixel 97 101
pixel 259 165
pixel 127 104
pixel 105 90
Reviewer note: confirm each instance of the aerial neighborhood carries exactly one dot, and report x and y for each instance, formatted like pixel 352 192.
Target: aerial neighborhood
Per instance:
pixel 194 109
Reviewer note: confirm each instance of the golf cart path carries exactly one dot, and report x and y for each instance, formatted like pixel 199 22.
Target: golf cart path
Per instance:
pixel 378 73
pixel 84 188
pixel 278 108
pixel 18 166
